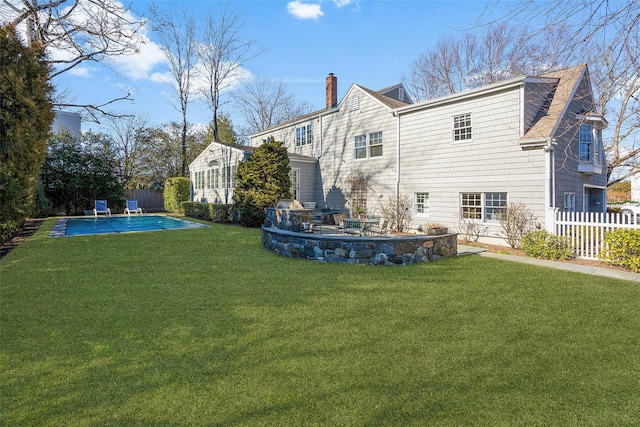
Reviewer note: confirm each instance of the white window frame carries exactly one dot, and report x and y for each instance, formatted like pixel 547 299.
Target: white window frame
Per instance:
pixel 360 146
pixel 294 177
pixel 586 138
pixel 462 124
pixel 483 206
pixel 366 144
pixel 569 202
pixel 304 135
pixel 422 203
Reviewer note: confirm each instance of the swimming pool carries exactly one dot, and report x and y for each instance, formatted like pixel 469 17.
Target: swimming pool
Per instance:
pixel 118 224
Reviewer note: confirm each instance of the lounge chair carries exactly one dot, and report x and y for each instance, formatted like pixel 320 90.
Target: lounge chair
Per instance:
pixel 101 207
pixel 132 207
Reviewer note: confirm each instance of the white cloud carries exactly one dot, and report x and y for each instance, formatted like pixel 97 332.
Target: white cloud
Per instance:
pixel 341 3
pixel 80 71
pixel 165 77
pixel 138 65
pixel 304 10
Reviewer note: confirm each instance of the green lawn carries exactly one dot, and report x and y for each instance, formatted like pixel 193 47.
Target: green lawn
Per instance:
pixel 204 327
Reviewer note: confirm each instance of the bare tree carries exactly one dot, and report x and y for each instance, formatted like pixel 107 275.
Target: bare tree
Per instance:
pixel 76 31
pixel 176 32
pixel 500 53
pixel 264 102
pixel 128 133
pixel 222 52
pixel 605 34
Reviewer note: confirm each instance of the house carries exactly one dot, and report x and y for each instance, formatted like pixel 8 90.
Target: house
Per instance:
pixel 460 158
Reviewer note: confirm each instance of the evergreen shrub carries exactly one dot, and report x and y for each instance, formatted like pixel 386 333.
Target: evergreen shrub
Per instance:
pixel 542 244
pixel 208 211
pixel 176 191
pixel 623 248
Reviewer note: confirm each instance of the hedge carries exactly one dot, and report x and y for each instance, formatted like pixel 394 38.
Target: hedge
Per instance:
pixel 623 248
pixel 208 211
pixel 176 191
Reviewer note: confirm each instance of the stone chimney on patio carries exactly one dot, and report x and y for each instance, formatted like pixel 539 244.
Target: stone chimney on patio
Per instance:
pixel 332 91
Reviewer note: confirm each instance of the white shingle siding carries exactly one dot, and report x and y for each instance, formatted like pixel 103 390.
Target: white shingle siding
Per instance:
pixel 492 162
pixel 498 158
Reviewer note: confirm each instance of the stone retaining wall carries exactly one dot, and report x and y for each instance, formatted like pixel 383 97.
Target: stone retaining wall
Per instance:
pixel 385 250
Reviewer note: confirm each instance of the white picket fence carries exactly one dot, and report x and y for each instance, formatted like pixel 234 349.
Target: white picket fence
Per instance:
pixel 585 231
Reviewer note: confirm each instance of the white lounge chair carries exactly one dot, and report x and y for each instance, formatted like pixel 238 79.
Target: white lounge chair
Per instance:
pixel 132 207
pixel 100 206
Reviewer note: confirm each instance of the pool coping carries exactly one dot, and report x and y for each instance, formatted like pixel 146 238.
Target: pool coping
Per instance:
pixel 60 227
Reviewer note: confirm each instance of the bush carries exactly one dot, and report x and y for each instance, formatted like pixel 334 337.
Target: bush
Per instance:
pixel 517 221
pixel 176 191
pixel 542 244
pixel 208 211
pixel 623 248
pixel 261 181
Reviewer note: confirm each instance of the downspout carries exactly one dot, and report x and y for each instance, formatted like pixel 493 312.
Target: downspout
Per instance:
pixel 321 135
pixel 397 155
pixel 549 187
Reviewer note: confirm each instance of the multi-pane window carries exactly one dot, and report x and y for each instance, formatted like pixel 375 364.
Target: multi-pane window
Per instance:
pixel 375 144
pixel 367 146
pixel 229 176
pixel 483 206
pixel 462 127
pixel 304 135
pixel 471 206
pixel 361 146
pixel 495 205
pixel 422 204
pixel 570 202
pixel 198 180
pixel 586 142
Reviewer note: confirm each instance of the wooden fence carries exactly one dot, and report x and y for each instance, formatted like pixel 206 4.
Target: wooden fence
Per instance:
pixel 585 231
pixel 148 200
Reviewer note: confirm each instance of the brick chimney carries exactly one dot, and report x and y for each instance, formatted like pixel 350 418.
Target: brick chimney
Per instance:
pixel 332 90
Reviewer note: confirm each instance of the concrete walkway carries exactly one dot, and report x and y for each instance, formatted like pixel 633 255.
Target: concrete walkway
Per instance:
pixel 578 268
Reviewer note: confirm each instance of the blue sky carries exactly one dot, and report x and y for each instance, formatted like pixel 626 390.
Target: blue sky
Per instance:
pixel 372 43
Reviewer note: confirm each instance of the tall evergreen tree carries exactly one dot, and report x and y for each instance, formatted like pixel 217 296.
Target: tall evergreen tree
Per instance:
pixel 25 120
pixel 261 181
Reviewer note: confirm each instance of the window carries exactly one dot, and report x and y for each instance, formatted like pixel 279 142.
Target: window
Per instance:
pixel 198 180
pixel 570 202
pixel 586 142
pixel 422 204
pixel 294 177
pixel 304 135
pixel 367 146
pixel 471 206
pixel 229 176
pixel 462 127
pixel 361 147
pixel 375 144
pixel 483 206
pixel 495 205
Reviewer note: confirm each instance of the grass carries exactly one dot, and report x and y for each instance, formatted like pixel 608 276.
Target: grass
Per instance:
pixel 204 327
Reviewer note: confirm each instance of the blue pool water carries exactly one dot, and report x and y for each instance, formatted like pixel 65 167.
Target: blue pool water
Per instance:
pixel 122 224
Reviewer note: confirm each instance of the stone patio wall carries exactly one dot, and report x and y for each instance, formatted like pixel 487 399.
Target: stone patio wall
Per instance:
pixel 385 250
